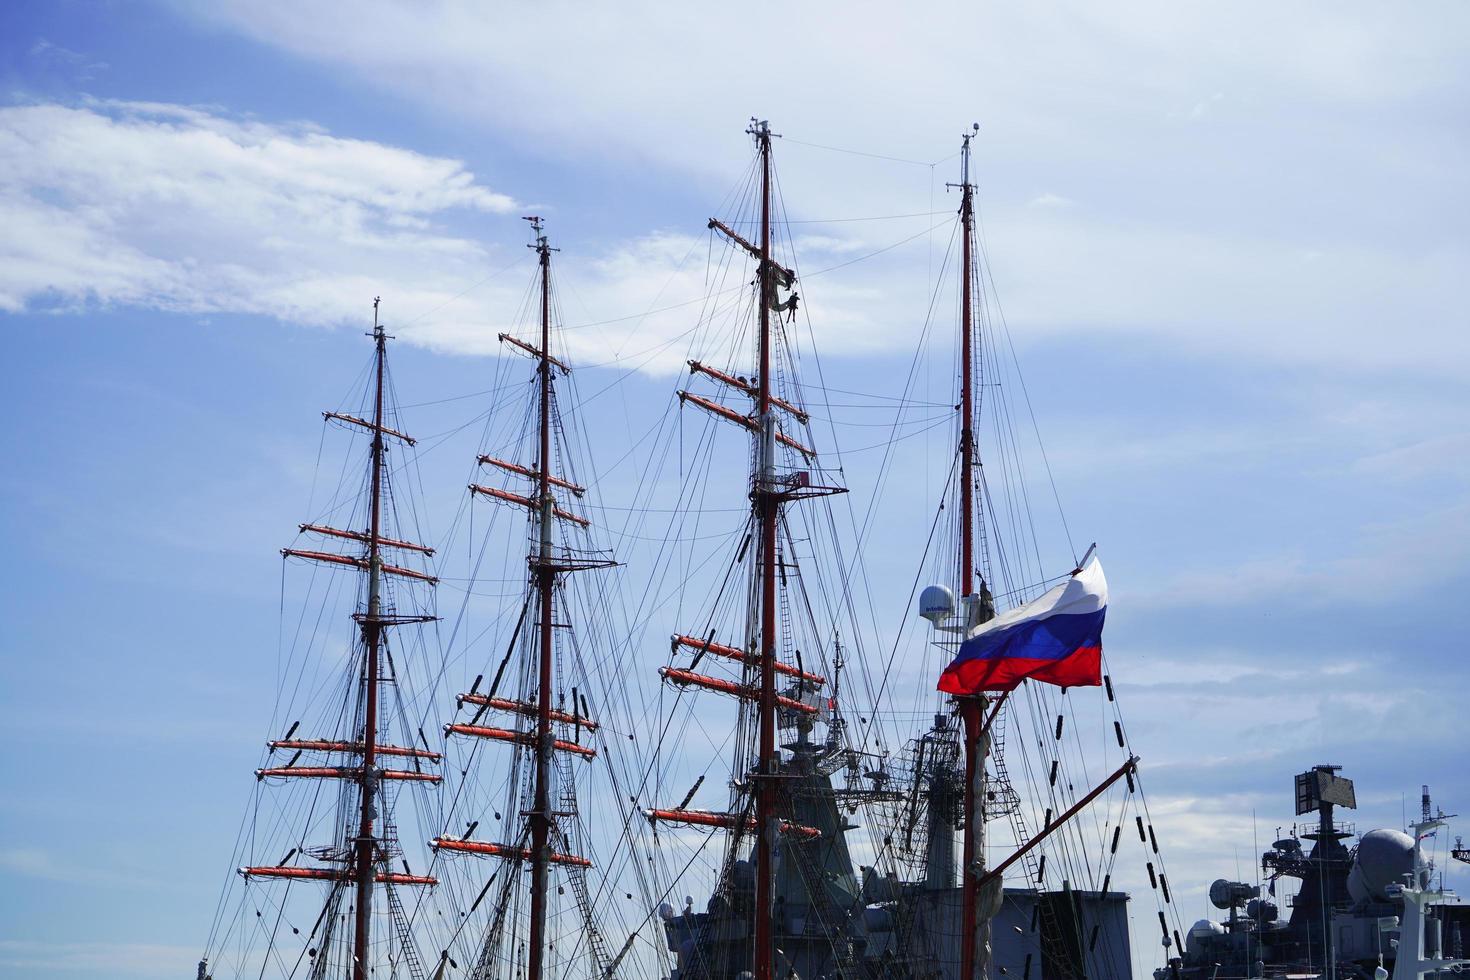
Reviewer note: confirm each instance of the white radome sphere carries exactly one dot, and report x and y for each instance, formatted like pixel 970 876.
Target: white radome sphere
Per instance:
pixel 936 603
pixel 1384 858
pixel 1202 929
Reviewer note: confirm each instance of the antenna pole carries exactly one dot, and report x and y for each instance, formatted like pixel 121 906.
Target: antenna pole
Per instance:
pixel 372 631
pixel 767 507
pixel 541 818
pixel 974 929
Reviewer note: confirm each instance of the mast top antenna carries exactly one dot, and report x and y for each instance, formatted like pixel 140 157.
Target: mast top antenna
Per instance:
pixel 965 139
pixel 377 330
pixel 538 225
pixel 761 129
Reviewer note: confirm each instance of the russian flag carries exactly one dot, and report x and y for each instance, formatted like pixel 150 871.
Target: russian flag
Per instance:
pixel 1056 639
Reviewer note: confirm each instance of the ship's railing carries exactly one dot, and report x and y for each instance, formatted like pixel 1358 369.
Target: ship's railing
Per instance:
pixel 1311 828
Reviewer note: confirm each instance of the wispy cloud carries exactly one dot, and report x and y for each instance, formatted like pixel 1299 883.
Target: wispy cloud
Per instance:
pixel 193 210
pixel 463 58
pixel 31 862
pixel 1387 561
pixel 50 56
pixel 44 865
pixel 103 959
pixel 1050 200
pixel 190 210
pixel 187 209
pixel 1438 456
pixel 1200 109
pixel 1198 237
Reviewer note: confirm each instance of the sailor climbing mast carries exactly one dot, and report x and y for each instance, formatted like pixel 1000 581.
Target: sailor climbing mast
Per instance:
pixel 767 512
pixel 372 632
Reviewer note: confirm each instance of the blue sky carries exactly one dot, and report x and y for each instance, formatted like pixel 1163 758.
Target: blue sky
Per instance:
pixel 1230 243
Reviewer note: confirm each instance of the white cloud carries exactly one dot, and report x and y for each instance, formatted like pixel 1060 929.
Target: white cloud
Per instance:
pixel 184 209
pixel 851 68
pixel 1291 223
pixel 819 245
pixel 1205 238
pixel 188 210
pixel 1361 304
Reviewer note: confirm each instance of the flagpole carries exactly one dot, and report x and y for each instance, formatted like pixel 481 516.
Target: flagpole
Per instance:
pixel 975 934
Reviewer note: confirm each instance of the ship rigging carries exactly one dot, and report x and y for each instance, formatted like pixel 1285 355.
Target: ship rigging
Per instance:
pixel 343 771
pixel 775 765
pixel 515 834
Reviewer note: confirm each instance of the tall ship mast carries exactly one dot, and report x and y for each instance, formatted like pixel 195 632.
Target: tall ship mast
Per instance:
pixel 1035 640
pixel 530 898
pixel 321 892
pixel 974 940
pixel 980 607
pixel 785 895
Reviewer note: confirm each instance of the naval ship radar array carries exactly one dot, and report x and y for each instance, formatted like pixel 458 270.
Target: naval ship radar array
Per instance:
pixel 1378 909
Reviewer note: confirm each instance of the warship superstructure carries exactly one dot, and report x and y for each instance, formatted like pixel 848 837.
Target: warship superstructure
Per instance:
pixel 1358 909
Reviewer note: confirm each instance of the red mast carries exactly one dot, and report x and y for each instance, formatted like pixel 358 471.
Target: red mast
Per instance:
pixel 967 383
pixel 372 631
pixel 768 493
pixel 767 513
pixel 541 818
pixel 974 934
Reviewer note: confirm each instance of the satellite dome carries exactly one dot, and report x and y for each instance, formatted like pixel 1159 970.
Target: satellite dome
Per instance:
pixel 936 603
pixel 1384 857
pixel 1203 929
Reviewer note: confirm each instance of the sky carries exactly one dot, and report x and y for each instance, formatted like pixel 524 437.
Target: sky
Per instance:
pixel 1229 241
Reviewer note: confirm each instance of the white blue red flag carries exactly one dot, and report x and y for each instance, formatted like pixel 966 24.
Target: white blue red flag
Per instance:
pixel 1056 639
